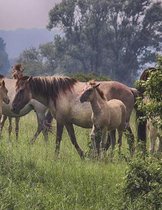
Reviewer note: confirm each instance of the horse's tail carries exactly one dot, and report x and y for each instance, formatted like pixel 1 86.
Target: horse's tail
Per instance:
pixel 141 125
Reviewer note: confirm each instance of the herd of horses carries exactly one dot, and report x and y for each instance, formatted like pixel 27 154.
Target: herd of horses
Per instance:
pixel 104 106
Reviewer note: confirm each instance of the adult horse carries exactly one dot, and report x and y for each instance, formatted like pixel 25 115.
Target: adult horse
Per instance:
pixel 145 125
pixel 17 73
pixel 39 109
pixel 61 95
pixel 106 116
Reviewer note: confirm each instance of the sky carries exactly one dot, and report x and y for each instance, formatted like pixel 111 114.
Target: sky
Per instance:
pixel 24 13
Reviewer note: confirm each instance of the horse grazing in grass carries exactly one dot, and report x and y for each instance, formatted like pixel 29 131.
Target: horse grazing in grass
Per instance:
pixel 40 110
pixel 146 125
pixel 106 116
pixel 62 96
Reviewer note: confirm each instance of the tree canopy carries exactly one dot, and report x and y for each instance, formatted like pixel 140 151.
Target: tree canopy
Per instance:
pixel 4 62
pixel 106 37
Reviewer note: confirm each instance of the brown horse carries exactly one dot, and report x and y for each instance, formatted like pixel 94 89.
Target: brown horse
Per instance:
pixel 61 95
pixel 106 116
pixel 146 125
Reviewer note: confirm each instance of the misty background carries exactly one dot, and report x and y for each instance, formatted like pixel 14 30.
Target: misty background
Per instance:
pixel 113 38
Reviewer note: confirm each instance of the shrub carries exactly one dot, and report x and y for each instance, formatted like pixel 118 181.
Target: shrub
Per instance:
pixel 143 184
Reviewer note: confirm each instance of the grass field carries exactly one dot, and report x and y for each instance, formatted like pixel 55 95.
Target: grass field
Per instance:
pixel 31 177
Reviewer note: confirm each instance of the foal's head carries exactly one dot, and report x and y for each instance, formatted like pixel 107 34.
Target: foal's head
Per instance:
pixel 89 92
pixel 3 92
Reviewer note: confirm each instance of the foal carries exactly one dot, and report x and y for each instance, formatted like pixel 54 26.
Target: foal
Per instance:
pixel 106 116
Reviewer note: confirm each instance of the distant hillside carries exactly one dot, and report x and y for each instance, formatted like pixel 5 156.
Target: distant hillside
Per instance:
pixel 21 39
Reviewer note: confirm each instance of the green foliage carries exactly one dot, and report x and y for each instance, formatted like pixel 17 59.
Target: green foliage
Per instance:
pixel 143 184
pixel 152 89
pixel 4 62
pixel 108 37
pixel 89 76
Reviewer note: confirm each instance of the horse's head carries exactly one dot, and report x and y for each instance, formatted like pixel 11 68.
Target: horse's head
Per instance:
pixel 23 94
pixel 88 92
pixel 3 92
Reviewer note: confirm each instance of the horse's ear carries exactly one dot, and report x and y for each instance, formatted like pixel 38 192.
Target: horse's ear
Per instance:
pixel 2 83
pixel 29 79
pixel 96 85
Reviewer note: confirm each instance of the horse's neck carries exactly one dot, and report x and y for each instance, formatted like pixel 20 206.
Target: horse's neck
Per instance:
pixel 97 103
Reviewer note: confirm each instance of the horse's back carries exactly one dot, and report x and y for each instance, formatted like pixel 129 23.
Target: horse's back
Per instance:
pixel 117 113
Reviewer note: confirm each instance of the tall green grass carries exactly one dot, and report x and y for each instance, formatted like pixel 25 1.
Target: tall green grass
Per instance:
pixel 31 177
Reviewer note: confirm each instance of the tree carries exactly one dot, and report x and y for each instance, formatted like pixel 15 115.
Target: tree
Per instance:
pixel 112 37
pixel 4 62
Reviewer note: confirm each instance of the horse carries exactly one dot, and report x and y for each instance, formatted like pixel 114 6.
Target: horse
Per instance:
pixel 40 110
pixel 17 73
pixel 147 125
pixel 106 116
pixel 61 95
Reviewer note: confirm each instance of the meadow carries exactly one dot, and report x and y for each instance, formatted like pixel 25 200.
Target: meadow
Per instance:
pixel 31 177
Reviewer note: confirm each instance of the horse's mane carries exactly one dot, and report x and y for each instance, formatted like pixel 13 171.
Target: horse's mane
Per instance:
pixel 100 92
pixel 49 87
pixel 145 74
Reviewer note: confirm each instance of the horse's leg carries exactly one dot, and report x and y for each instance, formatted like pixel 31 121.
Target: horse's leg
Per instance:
pixel 10 127
pixel 17 119
pixel 160 144
pixel 40 119
pixel 93 142
pixel 70 130
pixel 2 122
pixel 108 143
pixel 130 139
pixel 58 136
pixel 120 133
pixel 113 141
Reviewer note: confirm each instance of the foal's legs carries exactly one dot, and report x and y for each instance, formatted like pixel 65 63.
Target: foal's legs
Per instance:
pixel 70 130
pixel 113 141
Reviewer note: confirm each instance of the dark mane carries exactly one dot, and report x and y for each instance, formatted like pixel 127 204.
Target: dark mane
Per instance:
pixel 50 87
pixel 100 92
